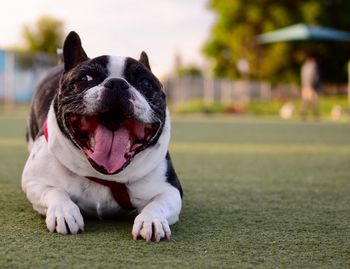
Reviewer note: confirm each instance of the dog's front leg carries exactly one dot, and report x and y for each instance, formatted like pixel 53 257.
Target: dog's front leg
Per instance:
pixel 62 214
pixel 40 182
pixel 154 219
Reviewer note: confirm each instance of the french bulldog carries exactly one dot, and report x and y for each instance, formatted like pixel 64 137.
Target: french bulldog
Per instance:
pixel 98 134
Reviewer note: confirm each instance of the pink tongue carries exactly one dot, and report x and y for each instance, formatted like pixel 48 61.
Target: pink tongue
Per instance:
pixel 110 148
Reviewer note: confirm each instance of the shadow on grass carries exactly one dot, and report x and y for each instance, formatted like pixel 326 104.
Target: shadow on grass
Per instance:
pixel 109 225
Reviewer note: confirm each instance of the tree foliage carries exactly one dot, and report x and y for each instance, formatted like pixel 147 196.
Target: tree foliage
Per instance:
pixel 45 36
pixel 191 70
pixel 233 36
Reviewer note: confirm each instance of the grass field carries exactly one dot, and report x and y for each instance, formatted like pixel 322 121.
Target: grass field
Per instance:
pixel 257 194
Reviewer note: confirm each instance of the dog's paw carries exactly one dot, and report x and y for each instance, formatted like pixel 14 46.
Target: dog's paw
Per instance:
pixel 150 227
pixel 64 218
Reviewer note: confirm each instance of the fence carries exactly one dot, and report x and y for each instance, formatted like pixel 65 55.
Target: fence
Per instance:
pixel 185 89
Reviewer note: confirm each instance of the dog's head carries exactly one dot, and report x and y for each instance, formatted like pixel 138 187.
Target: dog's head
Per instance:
pixel 111 108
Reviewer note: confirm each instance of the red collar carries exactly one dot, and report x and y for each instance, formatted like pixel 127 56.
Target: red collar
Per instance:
pixel 119 190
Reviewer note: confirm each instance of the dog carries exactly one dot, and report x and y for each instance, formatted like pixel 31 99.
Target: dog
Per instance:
pixel 98 134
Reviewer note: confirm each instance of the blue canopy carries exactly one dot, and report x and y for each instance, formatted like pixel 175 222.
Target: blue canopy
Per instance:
pixel 303 32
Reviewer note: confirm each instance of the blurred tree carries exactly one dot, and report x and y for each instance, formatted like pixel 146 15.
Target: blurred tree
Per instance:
pixel 45 36
pixel 191 70
pixel 238 23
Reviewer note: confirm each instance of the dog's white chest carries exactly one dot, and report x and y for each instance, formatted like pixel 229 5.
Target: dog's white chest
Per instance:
pixel 94 199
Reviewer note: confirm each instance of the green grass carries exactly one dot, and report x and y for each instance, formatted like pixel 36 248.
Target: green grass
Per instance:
pixel 258 194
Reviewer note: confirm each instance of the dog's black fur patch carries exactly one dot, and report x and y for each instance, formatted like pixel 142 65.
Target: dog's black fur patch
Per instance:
pixel 137 73
pixel 172 176
pixel 70 93
pixel 41 102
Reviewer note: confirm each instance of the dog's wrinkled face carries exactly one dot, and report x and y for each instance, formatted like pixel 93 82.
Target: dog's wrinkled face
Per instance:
pixel 111 108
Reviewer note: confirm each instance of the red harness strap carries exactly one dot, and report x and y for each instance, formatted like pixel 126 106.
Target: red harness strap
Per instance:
pixel 46 133
pixel 119 190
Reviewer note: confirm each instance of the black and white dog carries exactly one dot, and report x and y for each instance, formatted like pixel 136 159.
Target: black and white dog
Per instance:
pixel 98 135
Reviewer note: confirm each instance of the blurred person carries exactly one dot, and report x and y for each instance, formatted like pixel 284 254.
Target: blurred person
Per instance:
pixel 310 87
pixel 243 68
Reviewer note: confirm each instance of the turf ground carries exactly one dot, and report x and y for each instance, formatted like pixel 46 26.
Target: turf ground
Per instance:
pixel 258 194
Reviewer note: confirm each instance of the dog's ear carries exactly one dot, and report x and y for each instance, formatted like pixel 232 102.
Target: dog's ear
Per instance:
pixel 144 60
pixel 73 52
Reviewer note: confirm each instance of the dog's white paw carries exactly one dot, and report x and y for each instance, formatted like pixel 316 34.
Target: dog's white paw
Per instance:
pixel 150 227
pixel 64 218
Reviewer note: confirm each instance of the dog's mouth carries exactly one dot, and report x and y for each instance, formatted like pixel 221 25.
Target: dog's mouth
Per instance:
pixel 110 145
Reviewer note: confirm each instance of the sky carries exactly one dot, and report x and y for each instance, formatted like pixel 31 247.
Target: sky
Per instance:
pixel 162 28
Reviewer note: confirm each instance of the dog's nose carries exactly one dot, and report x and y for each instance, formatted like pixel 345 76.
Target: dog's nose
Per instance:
pixel 116 97
pixel 116 83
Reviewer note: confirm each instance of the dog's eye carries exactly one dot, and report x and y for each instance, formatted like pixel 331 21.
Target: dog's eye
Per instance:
pixel 145 83
pixel 86 78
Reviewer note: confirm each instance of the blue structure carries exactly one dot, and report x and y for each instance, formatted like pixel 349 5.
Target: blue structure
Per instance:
pixel 20 74
pixel 2 73
pixel 303 32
